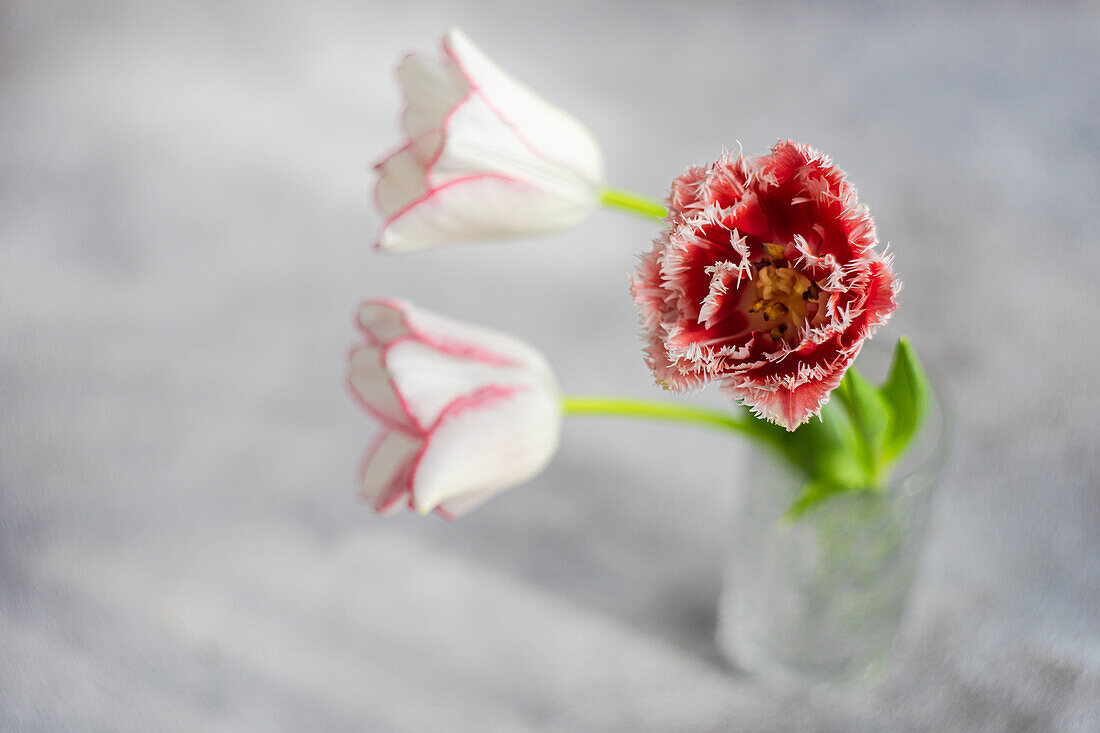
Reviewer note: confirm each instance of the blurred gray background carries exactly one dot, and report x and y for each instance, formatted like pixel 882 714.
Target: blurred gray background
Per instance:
pixel 185 231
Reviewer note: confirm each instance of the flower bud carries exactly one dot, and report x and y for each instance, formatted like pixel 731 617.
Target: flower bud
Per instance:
pixel 485 156
pixel 465 412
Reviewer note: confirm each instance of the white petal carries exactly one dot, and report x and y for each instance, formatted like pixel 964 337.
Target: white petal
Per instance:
pixel 369 379
pixel 464 503
pixel 477 451
pixel 432 89
pixel 554 134
pixel 388 463
pixel 477 208
pixel 385 320
pixel 475 342
pixel 400 182
pixel 477 139
pixel 428 380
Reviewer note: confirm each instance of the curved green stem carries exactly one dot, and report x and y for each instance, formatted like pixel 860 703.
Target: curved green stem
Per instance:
pixel 670 411
pixel 615 198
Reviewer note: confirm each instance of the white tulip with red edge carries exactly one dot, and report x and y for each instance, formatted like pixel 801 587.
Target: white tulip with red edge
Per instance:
pixel 485 157
pixel 464 412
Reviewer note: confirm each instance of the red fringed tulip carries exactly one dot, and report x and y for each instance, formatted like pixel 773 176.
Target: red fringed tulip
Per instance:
pixel 485 157
pixel 766 280
pixel 465 412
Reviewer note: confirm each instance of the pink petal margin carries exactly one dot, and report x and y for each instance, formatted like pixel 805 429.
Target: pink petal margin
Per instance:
pixel 403 481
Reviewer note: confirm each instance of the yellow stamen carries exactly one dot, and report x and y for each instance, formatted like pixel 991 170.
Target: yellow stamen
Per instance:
pixel 775 311
pixel 775 251
pixel 784 295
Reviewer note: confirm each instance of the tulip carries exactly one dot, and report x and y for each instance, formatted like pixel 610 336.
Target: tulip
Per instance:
pixel 465 412
pixel 766 279
pixel 485 157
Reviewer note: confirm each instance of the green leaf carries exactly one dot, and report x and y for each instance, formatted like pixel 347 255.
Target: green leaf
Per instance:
pixel 906 391
pixel 826 449
pixel 812 494
pixel 870 415
pixel 859 435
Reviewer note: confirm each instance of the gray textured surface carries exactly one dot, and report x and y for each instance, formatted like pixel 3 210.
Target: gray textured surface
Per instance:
pixel 184 233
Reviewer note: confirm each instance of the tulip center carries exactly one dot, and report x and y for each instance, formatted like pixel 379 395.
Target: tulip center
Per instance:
pixel 785 299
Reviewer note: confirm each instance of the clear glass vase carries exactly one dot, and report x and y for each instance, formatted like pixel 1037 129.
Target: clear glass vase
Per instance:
pixel 817 604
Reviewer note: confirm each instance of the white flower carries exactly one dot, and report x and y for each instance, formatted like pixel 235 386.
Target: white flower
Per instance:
pixel 465 412
pixel 485 157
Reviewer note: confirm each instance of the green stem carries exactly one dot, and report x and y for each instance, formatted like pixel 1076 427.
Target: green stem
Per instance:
pixel 615 198
pixel 670 411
